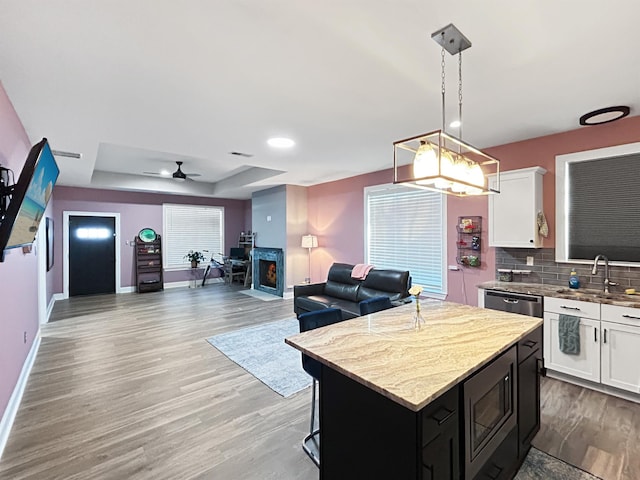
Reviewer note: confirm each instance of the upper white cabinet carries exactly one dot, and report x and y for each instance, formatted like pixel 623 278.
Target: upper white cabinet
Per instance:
pixel 513 212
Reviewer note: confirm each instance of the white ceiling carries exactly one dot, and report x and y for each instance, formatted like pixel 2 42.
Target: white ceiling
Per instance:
pixel 135 85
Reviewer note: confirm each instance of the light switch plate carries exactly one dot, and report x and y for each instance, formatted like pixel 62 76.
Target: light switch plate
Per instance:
pixel 529 260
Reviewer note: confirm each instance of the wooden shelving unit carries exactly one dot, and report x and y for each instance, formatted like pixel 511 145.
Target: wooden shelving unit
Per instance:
pixel 148 257
pixel 248 241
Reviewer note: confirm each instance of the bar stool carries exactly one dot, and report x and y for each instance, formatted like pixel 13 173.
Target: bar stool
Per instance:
pixel 374 304
pixel 309 321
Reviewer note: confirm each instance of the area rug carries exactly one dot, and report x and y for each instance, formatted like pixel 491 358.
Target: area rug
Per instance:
pixel 261 351
pixel 266 297
pixel 541 466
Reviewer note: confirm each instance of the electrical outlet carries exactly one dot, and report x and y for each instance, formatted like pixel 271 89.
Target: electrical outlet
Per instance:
pixel 529 261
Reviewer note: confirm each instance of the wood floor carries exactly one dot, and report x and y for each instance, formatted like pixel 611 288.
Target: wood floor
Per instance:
pixel 596 432
pixel 126 387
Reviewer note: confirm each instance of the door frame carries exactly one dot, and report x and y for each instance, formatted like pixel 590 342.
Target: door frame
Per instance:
pixel 41 254
pixel 65 246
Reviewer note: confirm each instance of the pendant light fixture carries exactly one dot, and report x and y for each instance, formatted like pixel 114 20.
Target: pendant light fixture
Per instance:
pixel 437 160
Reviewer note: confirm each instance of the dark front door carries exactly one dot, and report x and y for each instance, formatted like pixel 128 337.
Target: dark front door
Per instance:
pixel 92 255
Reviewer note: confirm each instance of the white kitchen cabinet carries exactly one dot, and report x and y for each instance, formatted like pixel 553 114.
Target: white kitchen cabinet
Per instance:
pixel 587 363
pixel 513 212
pixel 609 343
pixel 584 365
pixel 578 308
pixel 620 345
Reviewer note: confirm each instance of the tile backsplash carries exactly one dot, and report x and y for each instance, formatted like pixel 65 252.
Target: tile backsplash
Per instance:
pixel 545 270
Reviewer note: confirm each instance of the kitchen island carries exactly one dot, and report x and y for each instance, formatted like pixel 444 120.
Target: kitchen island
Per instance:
pixel 392 398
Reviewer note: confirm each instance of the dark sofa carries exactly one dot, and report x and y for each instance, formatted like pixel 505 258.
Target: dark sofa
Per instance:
pixel 344 292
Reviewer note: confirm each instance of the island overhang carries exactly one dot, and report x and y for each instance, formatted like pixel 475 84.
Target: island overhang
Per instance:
pixel 413 367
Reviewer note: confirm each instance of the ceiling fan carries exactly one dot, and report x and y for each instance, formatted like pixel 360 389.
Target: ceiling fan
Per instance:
pixel 178 175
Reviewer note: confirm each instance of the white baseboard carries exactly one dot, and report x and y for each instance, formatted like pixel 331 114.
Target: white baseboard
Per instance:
pixel 184 283
pixel 130 289
pixel 58 296
pixel 16 397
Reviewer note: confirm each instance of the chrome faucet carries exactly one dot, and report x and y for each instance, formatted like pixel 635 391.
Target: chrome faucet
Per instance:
pixel 607 283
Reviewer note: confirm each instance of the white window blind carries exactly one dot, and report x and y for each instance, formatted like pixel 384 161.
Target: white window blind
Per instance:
pixel 405 230
pixel 191 227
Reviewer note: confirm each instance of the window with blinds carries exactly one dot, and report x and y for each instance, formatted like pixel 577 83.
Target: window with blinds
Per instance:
pixel 405 230
pixel 603 214
pixel 191 227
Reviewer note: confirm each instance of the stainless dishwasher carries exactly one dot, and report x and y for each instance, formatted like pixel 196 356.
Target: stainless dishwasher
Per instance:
pixel 523 303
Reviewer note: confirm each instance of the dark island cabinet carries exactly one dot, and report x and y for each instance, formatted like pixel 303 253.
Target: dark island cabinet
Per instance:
pixel 440 438
pixel 366 435
pixel 529 366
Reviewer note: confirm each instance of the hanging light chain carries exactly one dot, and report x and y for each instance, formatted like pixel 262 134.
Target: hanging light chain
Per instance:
pixel 443 89
pixel 460 93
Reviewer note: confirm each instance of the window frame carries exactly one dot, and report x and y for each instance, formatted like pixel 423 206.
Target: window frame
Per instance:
pixel 165 240
pixel 390 187
pixel 562 191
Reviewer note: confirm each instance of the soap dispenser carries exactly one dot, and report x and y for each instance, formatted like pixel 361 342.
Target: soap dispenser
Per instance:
pixel 574 281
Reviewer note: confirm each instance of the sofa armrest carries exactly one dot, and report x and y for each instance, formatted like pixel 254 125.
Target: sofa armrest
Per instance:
pixel 308 289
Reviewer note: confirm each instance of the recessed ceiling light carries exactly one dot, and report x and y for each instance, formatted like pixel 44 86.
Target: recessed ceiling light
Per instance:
pixel 455 124
pixel 281 142
pixel 604 115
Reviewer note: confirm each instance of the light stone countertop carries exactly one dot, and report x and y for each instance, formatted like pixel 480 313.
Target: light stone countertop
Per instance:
pixel 412 367
pixel 587 295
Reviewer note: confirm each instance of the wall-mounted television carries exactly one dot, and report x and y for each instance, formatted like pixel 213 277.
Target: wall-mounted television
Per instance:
pixel 29 198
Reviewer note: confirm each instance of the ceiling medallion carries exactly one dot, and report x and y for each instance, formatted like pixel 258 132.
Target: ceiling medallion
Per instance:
pixel 604 115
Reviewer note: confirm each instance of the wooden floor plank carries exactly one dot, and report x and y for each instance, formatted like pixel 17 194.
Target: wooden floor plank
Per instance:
pixel 591 430
pixel 126 387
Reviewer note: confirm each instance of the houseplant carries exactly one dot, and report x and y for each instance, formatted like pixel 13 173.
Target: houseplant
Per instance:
pixel 194 257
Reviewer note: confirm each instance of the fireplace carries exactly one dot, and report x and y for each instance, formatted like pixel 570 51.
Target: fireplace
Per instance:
pixel 268 273
pixel 268 270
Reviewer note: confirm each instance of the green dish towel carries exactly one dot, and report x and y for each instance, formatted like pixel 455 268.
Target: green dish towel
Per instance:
pixel 569 334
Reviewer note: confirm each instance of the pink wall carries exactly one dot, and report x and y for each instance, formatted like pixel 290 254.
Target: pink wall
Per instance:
pixel 137 211
pixel 542 151
pixel 336 216
pixel 19 272
pixel 336 209
pixel 461 284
